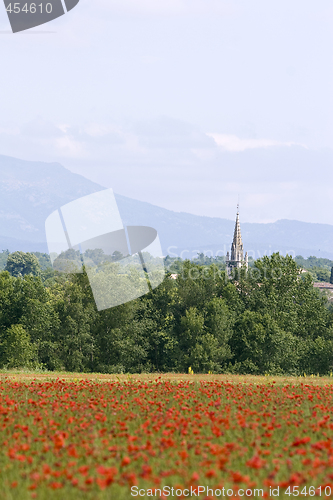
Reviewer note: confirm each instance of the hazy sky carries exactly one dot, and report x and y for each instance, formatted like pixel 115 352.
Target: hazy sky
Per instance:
pixel 183 103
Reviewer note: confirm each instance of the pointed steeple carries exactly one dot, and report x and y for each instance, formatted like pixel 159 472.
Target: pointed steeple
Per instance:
pixel 236 260
pixel 237 254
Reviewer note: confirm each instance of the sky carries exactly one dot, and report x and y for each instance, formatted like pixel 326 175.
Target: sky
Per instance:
pixel 191 105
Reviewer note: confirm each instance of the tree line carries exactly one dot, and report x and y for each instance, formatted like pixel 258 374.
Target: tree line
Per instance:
pixel 269 319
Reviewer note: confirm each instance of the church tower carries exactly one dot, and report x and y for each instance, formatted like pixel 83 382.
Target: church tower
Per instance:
pixel 236 259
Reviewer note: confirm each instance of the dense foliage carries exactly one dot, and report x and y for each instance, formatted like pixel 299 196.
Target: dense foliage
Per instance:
pixel 268 320
pixel 319 268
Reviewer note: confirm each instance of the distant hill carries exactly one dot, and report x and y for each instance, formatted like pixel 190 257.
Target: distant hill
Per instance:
pixel 30 191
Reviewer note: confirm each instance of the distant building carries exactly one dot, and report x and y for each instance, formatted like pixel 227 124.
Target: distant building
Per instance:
pixel 327 288
pixel 236 259
pixel 323 285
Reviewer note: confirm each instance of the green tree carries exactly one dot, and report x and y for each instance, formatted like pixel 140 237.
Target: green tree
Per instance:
pixel 120 340
pixel 198 284
pixel 219 322
pixel 44 260
pixel 275 286
pixel 40 319
pixel 68 262
pixel 155 318
pixel 77 314
pixel 27 302
pixel 206 355
pixel 191 332
pixel 9 313
pixel 21 264
pixel 18 350
pixel 260 345
pixel 331 278
pixel 316 355
pixel 320 274
pixel 3 258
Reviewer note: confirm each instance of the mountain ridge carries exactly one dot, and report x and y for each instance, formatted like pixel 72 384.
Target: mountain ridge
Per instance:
pixel 30 191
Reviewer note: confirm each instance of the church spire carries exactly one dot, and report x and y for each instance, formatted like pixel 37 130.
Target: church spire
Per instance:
pixel 237 252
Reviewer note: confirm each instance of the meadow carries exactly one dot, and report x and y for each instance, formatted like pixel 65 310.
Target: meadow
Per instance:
pixel 76 436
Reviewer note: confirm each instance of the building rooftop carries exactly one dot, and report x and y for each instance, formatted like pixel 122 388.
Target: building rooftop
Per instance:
pixel 323 284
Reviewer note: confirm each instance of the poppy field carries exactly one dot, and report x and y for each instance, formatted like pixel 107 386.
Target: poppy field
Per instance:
pixel 164 437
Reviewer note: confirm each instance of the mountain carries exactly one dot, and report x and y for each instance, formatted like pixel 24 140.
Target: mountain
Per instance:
pixel 30 191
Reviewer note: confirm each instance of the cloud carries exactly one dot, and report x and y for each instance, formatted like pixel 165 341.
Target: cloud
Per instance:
pixel 67 146
pixel 162 140
pixel 41 138
pixel 232 143
pixel 174 164
pixel 40 129
pixel 165 133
